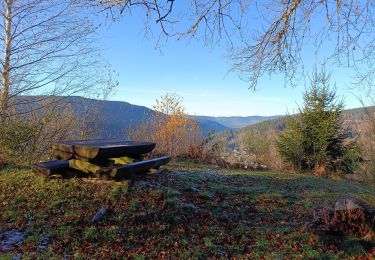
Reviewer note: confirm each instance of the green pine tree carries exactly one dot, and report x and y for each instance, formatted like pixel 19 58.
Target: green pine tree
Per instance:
pixel 316 139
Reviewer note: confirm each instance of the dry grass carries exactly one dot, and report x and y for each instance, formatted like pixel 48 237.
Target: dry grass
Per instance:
pixel 190 211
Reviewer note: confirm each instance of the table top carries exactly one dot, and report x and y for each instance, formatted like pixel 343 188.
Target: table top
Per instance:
pixel 107 143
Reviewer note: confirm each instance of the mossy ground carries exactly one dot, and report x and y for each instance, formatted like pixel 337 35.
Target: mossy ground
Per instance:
pixel 192 211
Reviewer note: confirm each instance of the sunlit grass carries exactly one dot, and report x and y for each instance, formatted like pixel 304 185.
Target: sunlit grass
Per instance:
pixel 197 212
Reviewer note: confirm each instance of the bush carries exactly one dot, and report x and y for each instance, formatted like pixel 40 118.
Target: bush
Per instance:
pixel 351 159
pixel 260 142
pixel 27 139
pixel 15 138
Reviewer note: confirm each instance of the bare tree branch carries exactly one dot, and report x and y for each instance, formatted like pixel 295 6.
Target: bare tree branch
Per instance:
pixel 283 29
pixel 47 47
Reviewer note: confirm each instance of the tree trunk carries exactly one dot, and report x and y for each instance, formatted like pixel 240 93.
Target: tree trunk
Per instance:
pixel 4 93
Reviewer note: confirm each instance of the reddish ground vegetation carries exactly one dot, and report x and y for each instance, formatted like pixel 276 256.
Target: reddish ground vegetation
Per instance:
pixel 185 211
pixel 2 162
pixel 355 222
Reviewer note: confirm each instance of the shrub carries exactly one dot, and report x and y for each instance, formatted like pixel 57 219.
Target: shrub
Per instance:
pixel 260 142
pixel 27 139
pixel 15 137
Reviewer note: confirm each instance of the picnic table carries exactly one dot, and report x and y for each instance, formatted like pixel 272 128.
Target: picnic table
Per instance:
pixel 108 159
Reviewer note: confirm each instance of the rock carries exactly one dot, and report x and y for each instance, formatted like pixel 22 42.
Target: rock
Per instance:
pixel 44 242
pixel 239 161
pixel 347 203
pixel 10 239
pixel 154 171
pixel 349 216
pixel 99 215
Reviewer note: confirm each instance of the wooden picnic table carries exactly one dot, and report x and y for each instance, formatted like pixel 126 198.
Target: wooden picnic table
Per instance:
pixel 102 149
pixel 106 158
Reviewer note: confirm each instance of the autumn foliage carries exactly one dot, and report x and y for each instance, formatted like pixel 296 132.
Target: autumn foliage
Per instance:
pixel 174 131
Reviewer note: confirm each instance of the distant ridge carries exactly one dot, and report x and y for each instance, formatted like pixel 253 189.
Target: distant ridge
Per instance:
pixel 237 122
pixel 119 116
pixel 354 118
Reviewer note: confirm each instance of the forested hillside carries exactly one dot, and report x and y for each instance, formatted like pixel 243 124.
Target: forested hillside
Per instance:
pixel 237 122
pixel 114 118
pixel 258 140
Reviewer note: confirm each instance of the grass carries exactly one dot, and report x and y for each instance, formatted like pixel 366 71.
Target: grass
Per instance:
pixel 193 212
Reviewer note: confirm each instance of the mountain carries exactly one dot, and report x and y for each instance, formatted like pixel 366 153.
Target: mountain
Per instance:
pixel 208 126
pixel 118 116
pixel 356 119
pixel 237 122
pixel 115 116
pixel 121 116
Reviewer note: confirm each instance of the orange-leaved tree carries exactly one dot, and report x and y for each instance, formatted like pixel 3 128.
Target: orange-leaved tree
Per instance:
pixel 175 132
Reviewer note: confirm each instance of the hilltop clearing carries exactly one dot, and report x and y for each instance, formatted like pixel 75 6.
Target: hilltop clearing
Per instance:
pixel 185 211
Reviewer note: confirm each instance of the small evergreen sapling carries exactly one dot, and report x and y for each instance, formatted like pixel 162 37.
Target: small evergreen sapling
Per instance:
pixel 316 140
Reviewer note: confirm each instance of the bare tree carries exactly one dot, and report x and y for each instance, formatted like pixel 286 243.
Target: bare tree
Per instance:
pixel 210 20
pixel 269 36
pixel 46 48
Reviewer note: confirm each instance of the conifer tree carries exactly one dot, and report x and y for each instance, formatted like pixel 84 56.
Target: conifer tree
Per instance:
pixel 316 140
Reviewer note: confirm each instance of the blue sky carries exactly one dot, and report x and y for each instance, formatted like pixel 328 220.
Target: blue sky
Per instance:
pixel 198 74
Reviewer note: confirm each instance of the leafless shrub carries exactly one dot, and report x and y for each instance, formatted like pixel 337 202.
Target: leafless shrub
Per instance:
pixel 367 142
pixel 261 142
pixel 27 139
